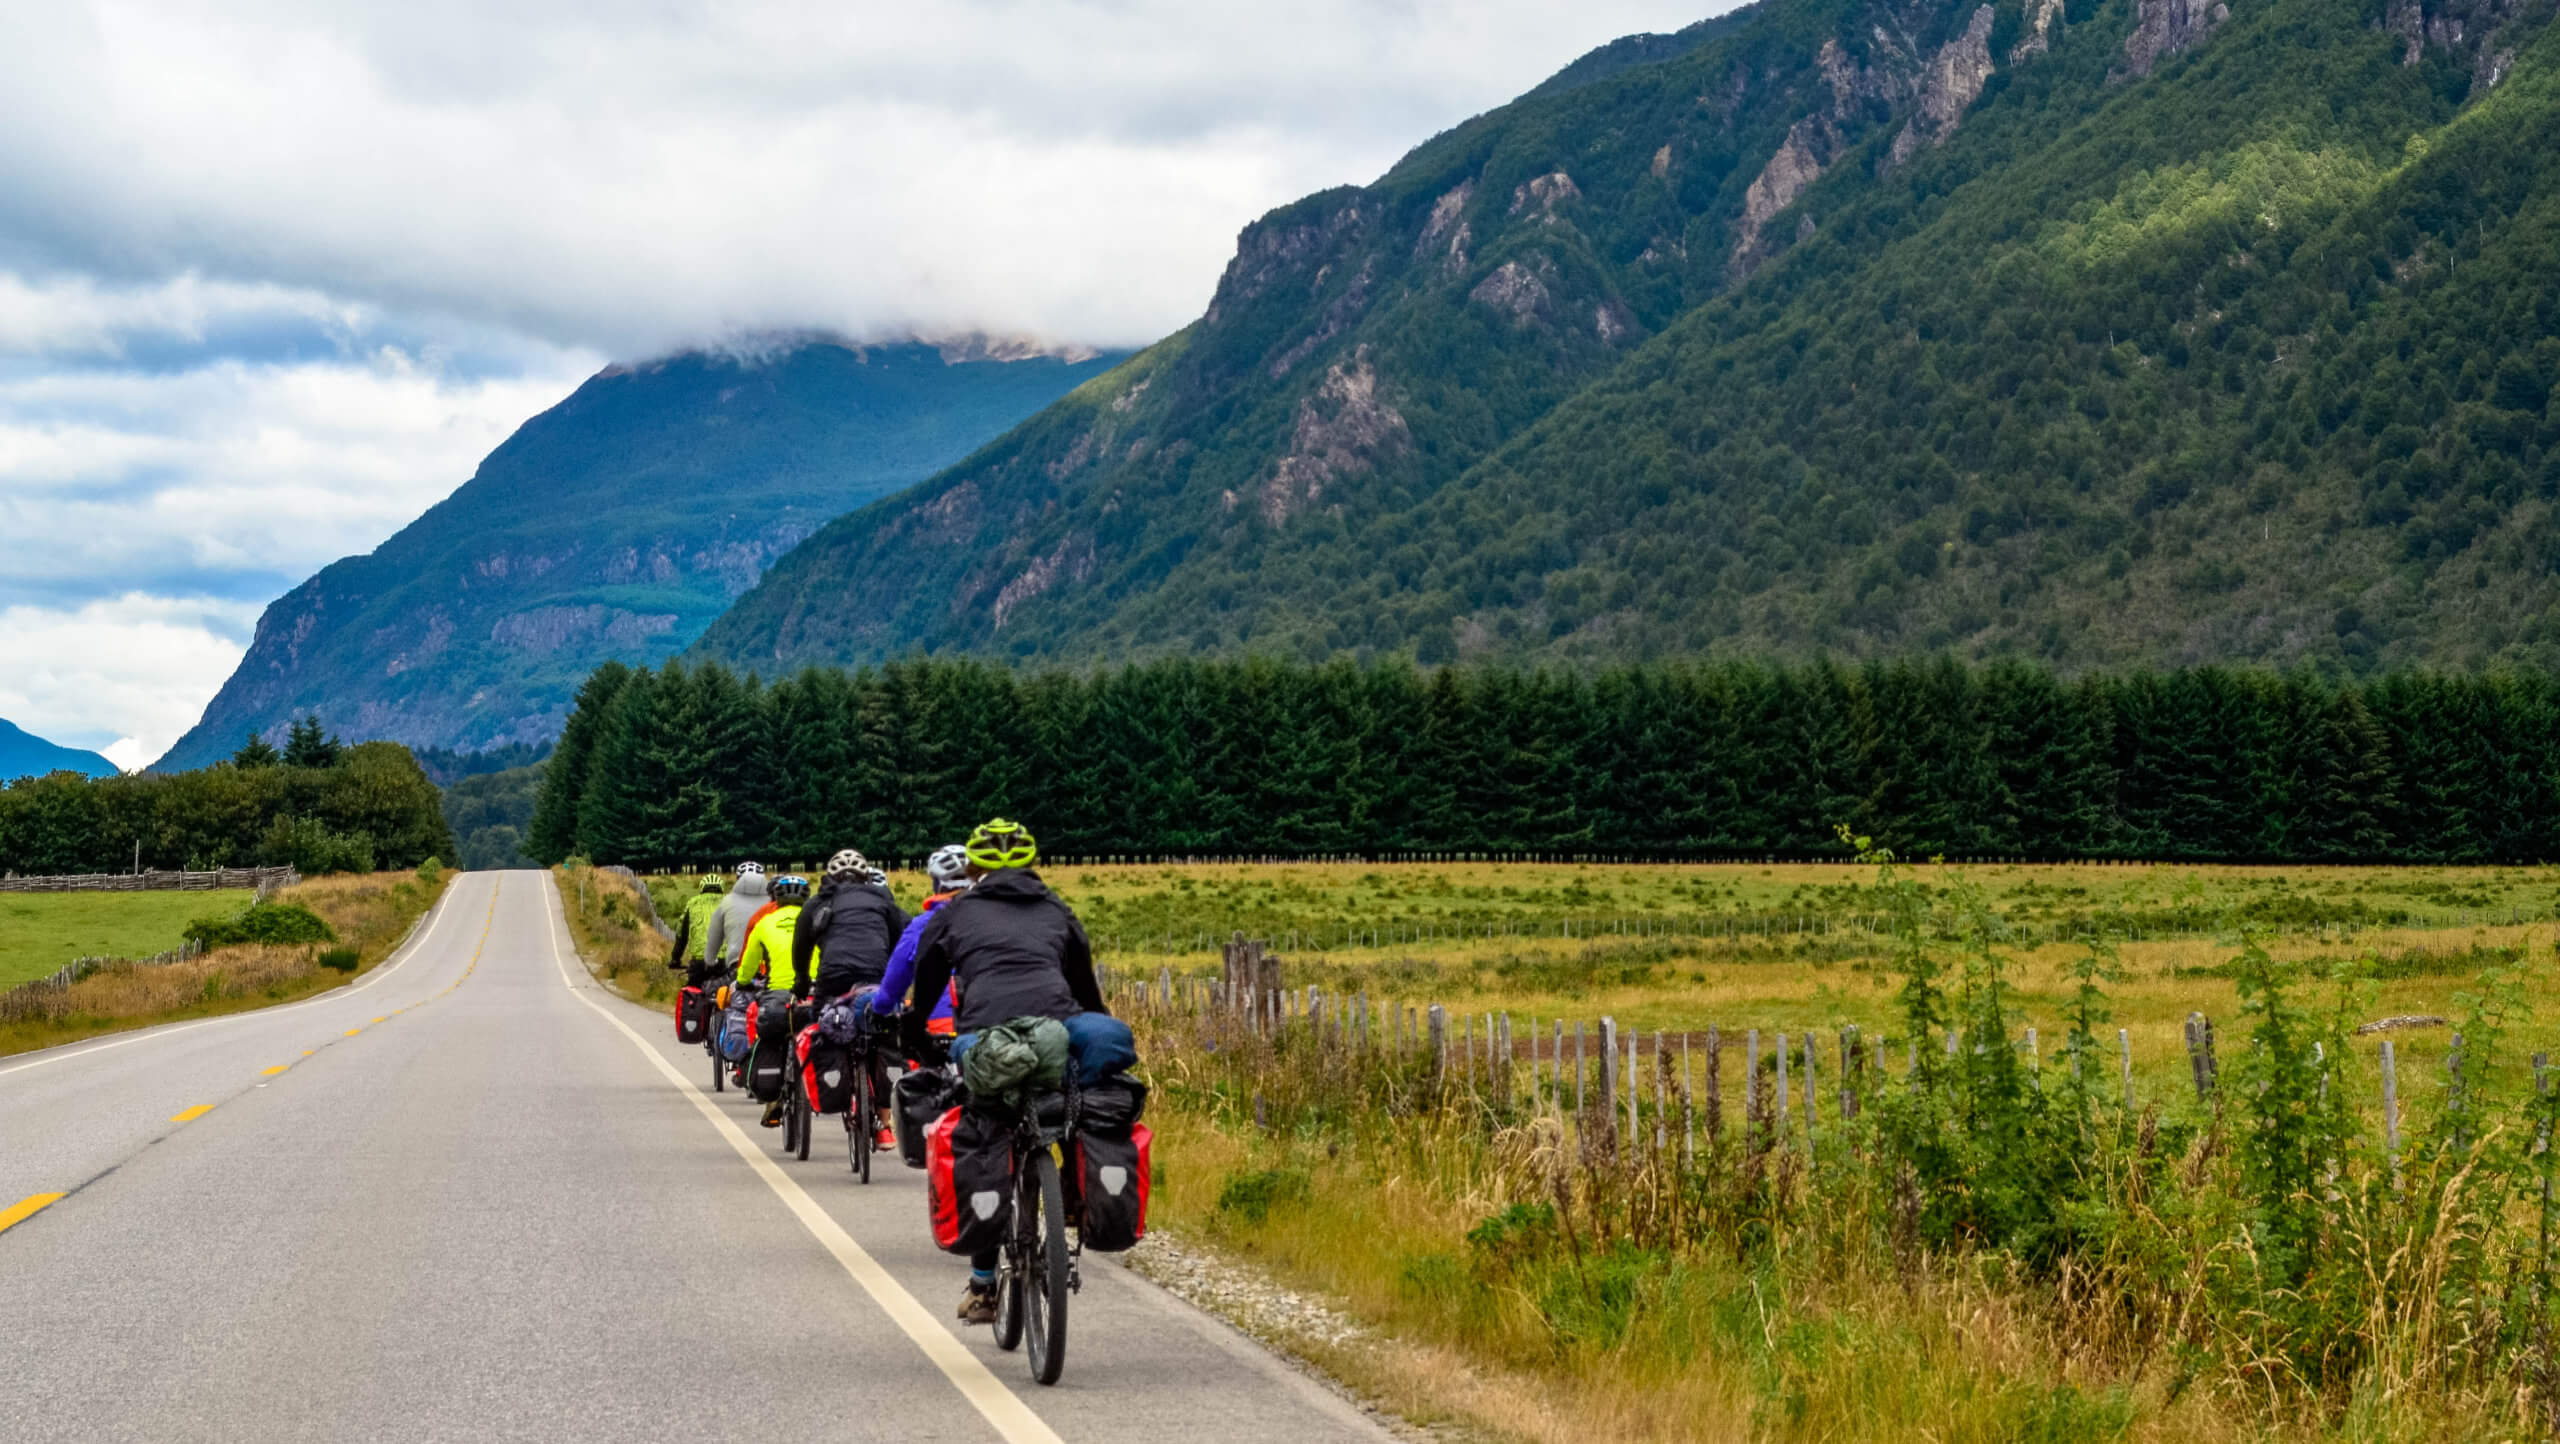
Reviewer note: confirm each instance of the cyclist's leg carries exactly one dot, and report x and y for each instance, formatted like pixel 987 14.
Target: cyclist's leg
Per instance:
pixel 978 1297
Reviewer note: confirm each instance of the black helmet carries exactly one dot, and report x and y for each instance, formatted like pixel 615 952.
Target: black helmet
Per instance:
pixel 790 888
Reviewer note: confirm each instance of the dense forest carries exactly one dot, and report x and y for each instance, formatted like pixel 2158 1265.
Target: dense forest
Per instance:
pixel 2105 332
pixel 315 804
pixel 695 765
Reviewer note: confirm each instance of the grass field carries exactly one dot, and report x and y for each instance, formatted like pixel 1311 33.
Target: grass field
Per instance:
pixel 41 931
pixel 369 912
pixel 1768 1295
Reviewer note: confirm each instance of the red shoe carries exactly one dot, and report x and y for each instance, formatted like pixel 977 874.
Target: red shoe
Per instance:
pixel 888 1140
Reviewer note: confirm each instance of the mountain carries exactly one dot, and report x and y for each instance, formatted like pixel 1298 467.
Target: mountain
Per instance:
pixel 616 524
pixel 24 754
pixel 2099 331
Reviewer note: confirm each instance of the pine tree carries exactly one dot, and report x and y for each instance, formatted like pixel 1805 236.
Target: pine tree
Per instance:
pixel 308 745
pixel 256 752
pixel 553 833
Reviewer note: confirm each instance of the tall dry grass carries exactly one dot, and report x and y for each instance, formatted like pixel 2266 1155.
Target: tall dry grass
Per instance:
pixel 609 923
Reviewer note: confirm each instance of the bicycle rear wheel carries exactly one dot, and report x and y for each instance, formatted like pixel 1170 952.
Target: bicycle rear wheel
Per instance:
pixel 719 1068
pixel 807 1121
pixel 1045 1284
pixel 858 1124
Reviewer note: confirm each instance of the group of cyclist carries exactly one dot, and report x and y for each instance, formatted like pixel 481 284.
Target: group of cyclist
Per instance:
pixel 990 944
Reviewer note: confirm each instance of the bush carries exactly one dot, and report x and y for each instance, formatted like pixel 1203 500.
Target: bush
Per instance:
pixel 314 849
pixel 265 922
pixel 1250 1196
pixel 341 960
pixel 431 871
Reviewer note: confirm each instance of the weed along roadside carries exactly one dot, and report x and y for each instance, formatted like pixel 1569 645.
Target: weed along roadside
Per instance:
pixel 613 922
pixel 321 933
pixel 1964 1179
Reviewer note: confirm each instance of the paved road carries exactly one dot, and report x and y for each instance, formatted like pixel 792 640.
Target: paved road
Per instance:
pixel 475 1197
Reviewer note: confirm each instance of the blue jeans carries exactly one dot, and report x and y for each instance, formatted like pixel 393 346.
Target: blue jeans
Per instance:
pixel 1098 1043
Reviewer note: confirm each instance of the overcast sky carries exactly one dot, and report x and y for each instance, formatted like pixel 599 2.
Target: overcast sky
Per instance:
pixel 275 275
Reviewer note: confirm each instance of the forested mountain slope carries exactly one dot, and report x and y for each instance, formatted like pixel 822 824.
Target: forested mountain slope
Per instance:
pixel 2098 330
pixel 616 524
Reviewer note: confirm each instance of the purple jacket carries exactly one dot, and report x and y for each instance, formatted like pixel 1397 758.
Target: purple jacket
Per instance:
pixel 900 974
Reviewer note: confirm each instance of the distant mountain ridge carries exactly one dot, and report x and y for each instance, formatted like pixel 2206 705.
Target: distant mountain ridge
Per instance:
pixel 2100 331
pixel 617 524
pixel 24 754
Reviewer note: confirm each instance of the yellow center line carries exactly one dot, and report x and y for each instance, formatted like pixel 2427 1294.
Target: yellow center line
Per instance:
pixel 351 1032
pixel 306 1052
pixel 192 1114
pixel 377 1020
pixel 26 1208
pixel 271 1072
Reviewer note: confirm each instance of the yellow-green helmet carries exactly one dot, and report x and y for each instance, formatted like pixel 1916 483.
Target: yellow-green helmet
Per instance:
pixel 998 844
pixel 713 884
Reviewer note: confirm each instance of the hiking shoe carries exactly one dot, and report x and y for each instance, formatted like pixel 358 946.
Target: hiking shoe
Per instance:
pixel 773 1114
pixel 978 1303
pixel 887 1139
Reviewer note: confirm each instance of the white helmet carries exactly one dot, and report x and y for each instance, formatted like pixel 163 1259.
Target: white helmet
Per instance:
pixel 846 864
pixel 948 867
pixel 747 867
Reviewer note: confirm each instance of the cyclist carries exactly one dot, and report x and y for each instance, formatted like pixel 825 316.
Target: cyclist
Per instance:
pixel 691 954
pixel 848 930
pixel 726 937
pixel 947 873
pixel 767 961
pixel 1008 948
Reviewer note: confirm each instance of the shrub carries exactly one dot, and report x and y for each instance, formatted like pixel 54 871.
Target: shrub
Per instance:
pixel 1251 1195
pixel 341 959
pixel 266 922
pixel 313 849
pixel 431 871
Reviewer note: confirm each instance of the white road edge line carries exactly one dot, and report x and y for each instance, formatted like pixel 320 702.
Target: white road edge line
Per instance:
pixel 407 951
pixel 1011 1418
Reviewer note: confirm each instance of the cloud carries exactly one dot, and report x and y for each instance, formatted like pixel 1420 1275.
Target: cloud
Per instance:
pixel 632 177
pixel 124 675
pixel 238 478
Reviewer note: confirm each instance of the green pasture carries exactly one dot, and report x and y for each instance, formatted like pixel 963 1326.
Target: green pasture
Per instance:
pixel 41 931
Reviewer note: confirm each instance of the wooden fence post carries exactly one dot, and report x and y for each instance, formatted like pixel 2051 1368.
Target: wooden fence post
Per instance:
pixel 1715 1086
pixel 1608 1075
pixel 1755 1103
pixel 2124 1052
pixel 1848 1072
pixel 1661 1093
pixel 1786 1096
pixel 2391 1111
pixel 1439 1046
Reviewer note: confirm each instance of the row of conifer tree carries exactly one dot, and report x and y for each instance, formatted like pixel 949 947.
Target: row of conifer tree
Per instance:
pixel 696 765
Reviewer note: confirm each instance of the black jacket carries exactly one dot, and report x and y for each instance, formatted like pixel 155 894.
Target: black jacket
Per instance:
pixel 851 926
pixel 1011 949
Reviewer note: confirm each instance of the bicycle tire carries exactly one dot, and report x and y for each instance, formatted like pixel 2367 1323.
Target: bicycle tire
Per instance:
pixel 1045 1299
pixel 808 1121
pixel 719 1071
pixel 1009 1298
pixel 858 1123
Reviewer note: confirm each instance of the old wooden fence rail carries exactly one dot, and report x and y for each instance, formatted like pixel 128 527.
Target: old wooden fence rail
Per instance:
pixel 264 879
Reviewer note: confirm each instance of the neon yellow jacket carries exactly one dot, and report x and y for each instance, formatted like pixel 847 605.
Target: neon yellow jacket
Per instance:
pixel 768 951
pixel 697 924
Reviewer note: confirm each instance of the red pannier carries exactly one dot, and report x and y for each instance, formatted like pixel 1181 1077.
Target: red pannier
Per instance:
pixel 693 1015
pixel 826 1072
pixel 1113 1177
pixel 968 1169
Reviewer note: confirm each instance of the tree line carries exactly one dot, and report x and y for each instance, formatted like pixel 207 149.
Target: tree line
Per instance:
pixel 318 804
pixel 698 765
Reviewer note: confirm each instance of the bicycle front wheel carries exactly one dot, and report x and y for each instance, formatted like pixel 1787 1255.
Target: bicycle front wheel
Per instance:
pixel 1044 1287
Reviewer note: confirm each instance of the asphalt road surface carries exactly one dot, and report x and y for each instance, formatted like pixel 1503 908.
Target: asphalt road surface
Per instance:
pixel 474 1196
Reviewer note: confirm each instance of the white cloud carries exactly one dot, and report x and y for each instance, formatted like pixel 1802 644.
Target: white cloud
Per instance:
pixel 236 476
pixel 627 177
pixel 125 675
